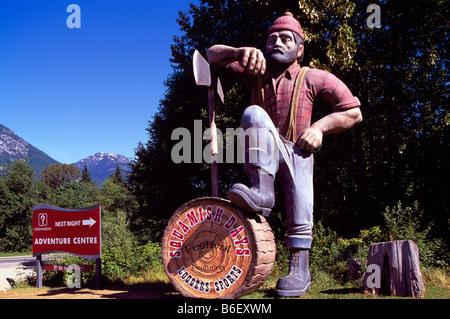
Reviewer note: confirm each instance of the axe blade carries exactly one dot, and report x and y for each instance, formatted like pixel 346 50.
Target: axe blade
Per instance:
pixel 204 76
pixel 202 71
pixel 220 90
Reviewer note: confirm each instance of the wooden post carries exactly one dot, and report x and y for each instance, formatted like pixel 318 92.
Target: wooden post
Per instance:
pixel 394 269
pixel 214 145
pixel 98 272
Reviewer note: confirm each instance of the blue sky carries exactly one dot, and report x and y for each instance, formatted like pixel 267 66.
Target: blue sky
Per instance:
pixel 75 92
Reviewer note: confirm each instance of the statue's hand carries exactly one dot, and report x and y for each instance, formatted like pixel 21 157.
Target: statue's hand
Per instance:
pixel 310 139
pixel 252 59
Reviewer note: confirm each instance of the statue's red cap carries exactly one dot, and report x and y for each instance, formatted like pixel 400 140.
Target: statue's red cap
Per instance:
pixel 287 22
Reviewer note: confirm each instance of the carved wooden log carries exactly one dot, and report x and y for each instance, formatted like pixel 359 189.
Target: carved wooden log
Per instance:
pixel 393 268
pixel 212 249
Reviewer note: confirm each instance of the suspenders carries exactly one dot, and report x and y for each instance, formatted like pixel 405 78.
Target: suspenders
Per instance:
pixel 291 133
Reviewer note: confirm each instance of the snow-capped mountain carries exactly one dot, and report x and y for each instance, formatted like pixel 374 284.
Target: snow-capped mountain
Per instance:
pixel 102 165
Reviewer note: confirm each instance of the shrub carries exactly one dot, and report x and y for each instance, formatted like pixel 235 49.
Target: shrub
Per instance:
pixel 323 250
pixel 403 223
pixel 150 257
pixel 332 254
pixel 120 257
pixel 281 260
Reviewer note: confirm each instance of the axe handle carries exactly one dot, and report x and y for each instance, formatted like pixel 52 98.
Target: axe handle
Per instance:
pixel 214 146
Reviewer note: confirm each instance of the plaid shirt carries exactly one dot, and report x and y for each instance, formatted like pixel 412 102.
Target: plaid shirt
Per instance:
pixel 319 89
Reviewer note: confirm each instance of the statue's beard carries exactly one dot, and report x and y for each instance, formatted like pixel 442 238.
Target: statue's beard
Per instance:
pixel 277 59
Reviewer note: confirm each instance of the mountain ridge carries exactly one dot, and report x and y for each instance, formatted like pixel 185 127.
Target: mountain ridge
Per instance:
pixel 13 148
pixel 101 165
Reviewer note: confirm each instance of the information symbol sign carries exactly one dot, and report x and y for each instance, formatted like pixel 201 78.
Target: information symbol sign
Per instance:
pixel 42 219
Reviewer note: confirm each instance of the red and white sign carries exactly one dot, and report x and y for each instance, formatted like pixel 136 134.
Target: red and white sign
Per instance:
pixel 73 231
pixel 66 267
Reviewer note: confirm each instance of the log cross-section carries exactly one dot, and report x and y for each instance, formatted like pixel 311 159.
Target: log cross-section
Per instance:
pixel 213 249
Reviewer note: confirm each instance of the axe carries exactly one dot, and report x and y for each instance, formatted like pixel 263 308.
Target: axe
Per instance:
pixel 206 77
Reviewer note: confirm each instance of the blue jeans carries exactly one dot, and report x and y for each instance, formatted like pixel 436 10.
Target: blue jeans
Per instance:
pixel 290 165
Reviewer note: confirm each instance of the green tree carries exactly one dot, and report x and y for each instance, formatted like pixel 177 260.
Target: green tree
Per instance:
pixel 17 198
pixel 404 88
pixel 399 72
pixel 89 186
pixel 62 187
pixel 118 176
pixel 86 175
pixel 56 175
pixel 114 196
pixel 71 195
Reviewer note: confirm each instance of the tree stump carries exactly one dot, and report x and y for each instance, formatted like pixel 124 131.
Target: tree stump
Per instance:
pixel 212 249
pixel 393 268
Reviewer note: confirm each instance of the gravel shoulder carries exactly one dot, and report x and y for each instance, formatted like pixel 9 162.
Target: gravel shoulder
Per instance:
pixel 84 293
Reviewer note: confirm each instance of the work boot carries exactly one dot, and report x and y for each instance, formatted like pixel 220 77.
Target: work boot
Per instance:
pixel 298 281
pixel 259 197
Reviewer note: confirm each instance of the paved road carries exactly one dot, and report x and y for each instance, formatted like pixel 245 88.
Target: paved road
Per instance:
pixel 21 261
pixel 13 269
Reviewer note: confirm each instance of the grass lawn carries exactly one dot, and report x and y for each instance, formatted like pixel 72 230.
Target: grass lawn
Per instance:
pixel 157 286
pixel 14 254
pixel 323 286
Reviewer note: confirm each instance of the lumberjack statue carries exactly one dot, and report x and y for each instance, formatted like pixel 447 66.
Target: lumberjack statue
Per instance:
pixel 283 96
